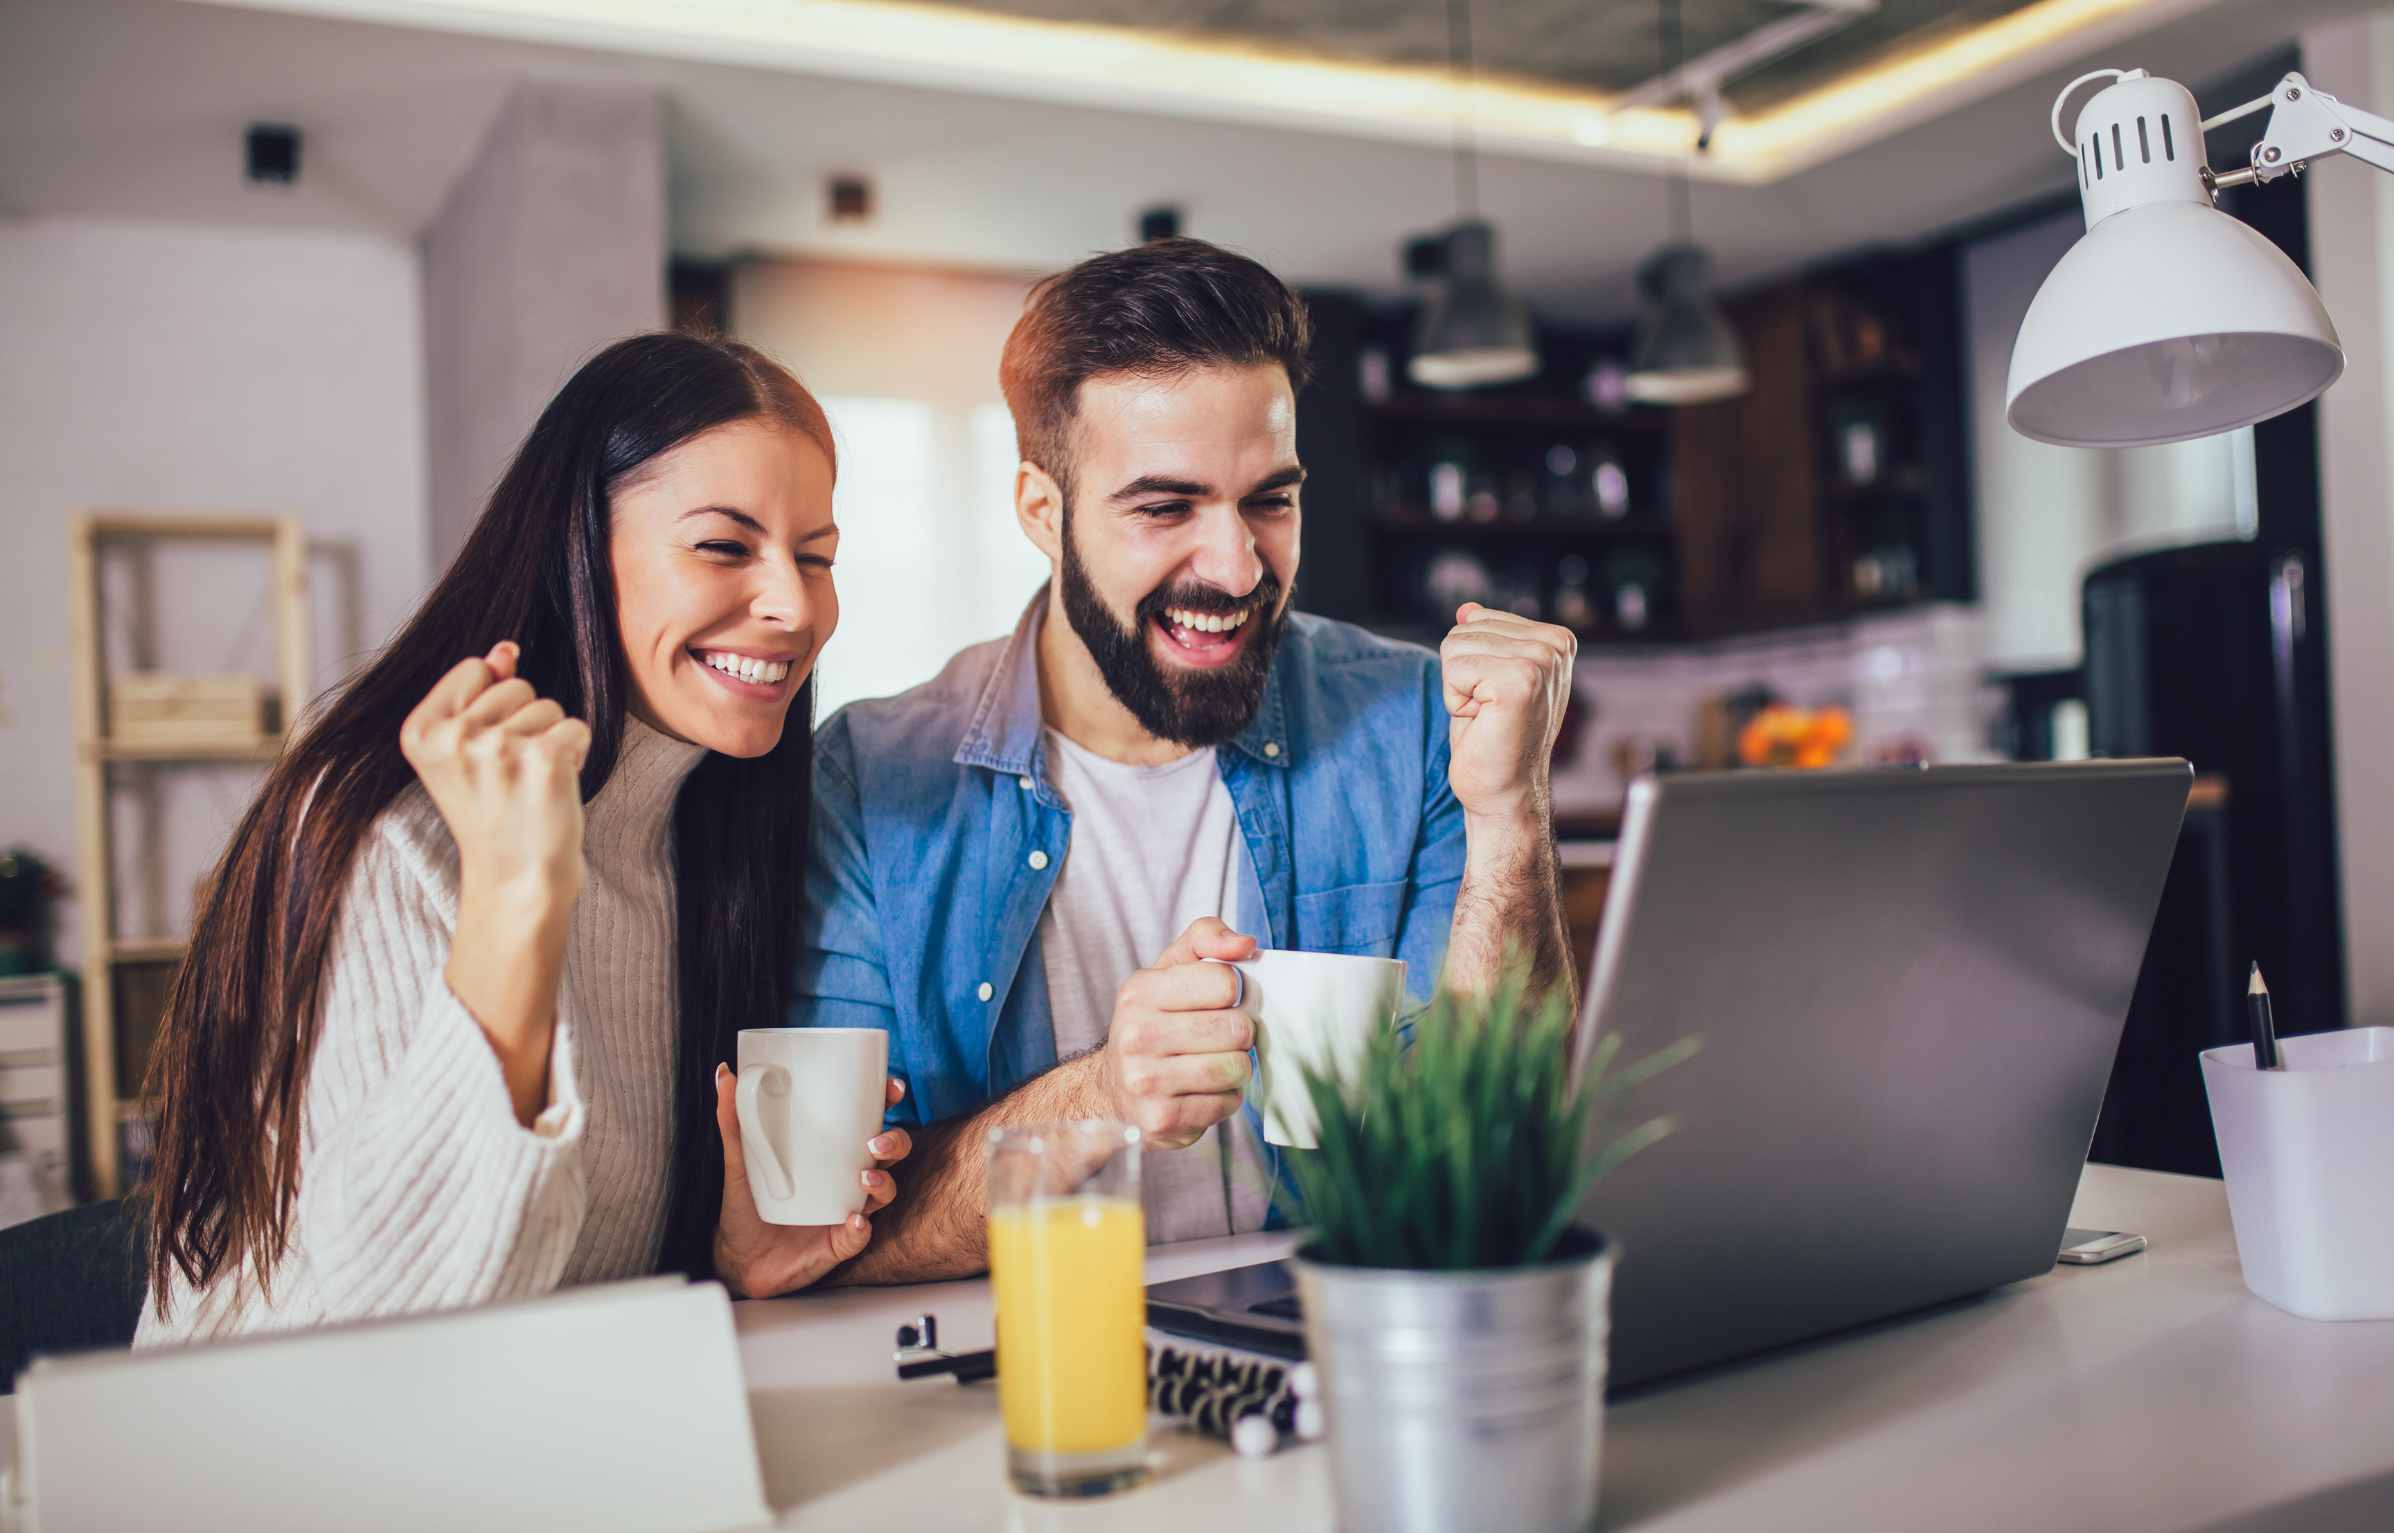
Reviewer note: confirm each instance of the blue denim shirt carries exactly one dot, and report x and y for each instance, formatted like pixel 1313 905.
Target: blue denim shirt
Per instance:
pixel 938 838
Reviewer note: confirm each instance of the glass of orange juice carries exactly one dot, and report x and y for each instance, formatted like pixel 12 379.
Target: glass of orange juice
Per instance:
pixel 1067 1255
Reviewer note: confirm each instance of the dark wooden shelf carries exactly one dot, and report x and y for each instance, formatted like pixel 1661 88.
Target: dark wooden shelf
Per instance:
pixel 1868 606
pixel 1686 634
pixel 1872 374
pixel 1646 530
pixel 1431 635
pixel 1888 486
pixel 1740 508
pixel 1511 410
pixel 1588 826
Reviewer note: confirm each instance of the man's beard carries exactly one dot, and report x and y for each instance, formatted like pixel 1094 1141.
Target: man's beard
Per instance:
pixel 1193 708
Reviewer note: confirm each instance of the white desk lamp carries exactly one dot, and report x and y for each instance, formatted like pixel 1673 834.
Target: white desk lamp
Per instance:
pixel 2170 319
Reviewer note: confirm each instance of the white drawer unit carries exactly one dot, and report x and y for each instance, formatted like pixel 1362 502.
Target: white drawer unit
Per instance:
pixel 43 1141
pixel 37 1084
pixel 29 1090
pixel 34 1133
pixel 29 1023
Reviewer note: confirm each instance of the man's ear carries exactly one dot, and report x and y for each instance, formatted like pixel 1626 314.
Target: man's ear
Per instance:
pixel 1039 508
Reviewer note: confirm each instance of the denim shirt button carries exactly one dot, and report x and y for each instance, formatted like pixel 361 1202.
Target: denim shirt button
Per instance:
pixel 1272 748
pixel 1023 783
pixel 1038 861
pixel 986 991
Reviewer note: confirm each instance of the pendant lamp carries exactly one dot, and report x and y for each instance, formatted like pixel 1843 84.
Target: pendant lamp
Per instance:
pixel 1471 332
pixel 1685 351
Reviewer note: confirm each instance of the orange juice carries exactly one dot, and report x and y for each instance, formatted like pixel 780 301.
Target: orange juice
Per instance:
pixel 1071 1323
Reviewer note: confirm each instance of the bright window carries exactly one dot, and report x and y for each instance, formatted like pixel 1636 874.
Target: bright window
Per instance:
pixel 930 557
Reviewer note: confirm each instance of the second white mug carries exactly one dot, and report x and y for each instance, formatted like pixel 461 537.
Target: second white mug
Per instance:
pixel 1317 1009
pixel 809 1098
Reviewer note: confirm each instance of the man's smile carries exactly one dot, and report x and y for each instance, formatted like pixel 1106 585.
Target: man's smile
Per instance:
pixel 1203 640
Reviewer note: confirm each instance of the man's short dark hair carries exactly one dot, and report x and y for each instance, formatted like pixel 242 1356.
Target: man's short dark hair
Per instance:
pixel 1152 310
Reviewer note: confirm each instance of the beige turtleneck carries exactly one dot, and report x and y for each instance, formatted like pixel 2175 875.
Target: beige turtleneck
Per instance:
pixel 418 1188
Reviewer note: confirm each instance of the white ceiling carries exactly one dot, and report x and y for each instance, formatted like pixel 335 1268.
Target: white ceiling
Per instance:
pixel 134 108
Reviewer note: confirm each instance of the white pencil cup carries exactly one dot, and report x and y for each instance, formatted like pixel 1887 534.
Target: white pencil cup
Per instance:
pixel 2309 1157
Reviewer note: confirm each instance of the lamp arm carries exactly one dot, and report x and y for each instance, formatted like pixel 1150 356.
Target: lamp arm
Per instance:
pixel 2307 125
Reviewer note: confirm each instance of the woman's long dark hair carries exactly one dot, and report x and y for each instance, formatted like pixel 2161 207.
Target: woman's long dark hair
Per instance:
pixel 230 1068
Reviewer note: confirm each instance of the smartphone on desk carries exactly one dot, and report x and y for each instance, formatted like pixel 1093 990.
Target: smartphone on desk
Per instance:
pixel 2087 1248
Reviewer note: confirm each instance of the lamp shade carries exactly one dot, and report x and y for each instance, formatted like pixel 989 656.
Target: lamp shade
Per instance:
pixel 1685 351
pixel 2168 319
pixel 2163 323
pixel 1471 332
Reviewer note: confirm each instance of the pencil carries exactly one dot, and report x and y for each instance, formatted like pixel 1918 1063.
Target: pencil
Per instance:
pixel 2265 1027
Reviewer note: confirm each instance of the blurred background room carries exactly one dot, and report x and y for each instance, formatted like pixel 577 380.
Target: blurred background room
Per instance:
pixel 1684 324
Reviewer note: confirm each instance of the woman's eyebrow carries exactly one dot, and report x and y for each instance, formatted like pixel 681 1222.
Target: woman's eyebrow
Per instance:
pixel 827 530
pixel 742 517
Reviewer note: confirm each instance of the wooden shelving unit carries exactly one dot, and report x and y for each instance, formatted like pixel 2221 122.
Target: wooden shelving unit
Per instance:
pixel 284 542
pixel 1522 524
pixel 263 748
pixel 1836 487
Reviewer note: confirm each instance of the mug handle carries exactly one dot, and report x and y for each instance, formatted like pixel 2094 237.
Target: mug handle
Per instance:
pixel 1237 974
pixel 1254 1049
pixel 753 1140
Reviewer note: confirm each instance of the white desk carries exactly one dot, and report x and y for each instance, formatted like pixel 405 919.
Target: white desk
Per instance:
pixel 2152 1393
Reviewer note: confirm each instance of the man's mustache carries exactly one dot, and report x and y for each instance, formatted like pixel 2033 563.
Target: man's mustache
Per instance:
pixel 1211 601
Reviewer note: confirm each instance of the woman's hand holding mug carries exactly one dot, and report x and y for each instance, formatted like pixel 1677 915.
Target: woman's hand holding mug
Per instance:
pixel 757 1260
pixel 504 768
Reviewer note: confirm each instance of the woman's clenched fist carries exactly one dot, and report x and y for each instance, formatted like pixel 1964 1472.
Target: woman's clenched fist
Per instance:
pixel 504 767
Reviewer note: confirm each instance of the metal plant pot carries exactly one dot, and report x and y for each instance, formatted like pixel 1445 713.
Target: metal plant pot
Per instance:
pixel 1461 1400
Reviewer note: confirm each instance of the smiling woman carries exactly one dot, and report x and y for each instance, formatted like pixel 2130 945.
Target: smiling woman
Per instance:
pixel 722 552
pixel 451 1020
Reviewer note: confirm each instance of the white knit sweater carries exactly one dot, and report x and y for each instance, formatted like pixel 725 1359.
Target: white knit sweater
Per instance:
pixel 418 1189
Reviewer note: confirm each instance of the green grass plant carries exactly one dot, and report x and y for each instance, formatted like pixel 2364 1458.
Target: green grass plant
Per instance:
pixel 1470 1146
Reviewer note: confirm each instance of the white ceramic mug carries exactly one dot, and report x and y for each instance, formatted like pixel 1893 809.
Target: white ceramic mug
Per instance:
pixel 809 1098
pixel 1315 1009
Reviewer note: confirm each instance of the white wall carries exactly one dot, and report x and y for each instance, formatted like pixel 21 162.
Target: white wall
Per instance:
pixel 193 368
pixel 2035 520
pixel 2352 260
pixel 905 363
pixel 550 246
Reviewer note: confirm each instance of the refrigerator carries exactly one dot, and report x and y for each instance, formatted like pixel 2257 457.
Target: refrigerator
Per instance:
pixel 2209 652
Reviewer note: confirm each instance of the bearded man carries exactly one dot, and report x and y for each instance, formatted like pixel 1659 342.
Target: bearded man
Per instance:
pixel 1022 867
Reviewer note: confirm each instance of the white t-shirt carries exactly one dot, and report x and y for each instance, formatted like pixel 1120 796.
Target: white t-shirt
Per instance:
pixel 1153 848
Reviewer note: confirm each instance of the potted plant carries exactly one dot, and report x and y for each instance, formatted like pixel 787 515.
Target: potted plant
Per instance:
pixel 1455 1309
pixel 27 886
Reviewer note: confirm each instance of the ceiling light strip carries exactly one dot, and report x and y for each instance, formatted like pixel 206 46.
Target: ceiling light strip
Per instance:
pixel 1922 84
pixel 1125 69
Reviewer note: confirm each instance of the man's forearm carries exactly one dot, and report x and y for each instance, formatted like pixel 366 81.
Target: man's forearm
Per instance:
pixel 1509 911
pixel 938 1227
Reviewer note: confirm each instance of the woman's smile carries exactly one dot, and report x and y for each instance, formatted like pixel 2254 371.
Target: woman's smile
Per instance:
pixel 754 675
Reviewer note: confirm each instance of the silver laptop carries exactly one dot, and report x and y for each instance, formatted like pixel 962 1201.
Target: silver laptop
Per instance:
pixel 1909 984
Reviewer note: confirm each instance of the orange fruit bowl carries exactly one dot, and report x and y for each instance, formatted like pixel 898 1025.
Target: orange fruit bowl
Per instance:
pixel 1780 736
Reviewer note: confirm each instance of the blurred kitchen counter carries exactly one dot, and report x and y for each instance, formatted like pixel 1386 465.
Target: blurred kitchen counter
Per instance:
pixel 1584 846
